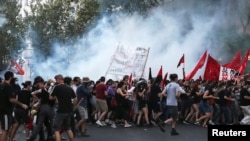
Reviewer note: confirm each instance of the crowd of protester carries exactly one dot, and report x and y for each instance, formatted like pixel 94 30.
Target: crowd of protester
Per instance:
pixel 75 101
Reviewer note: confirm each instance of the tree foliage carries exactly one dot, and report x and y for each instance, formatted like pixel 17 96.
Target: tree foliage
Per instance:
pixel 63 21
pixel 11 31
pixel 129 6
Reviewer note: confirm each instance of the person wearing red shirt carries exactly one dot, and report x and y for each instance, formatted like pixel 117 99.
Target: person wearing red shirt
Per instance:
pixel 101 103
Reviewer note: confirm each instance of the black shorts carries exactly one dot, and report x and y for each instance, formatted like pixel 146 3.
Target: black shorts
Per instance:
pixel 173 111
pixel 62 120
pixel 6 121
pixel 142 104
pixel 155 106
pixel 21 116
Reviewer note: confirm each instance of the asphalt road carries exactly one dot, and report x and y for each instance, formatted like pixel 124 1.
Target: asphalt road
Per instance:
pixel 187 133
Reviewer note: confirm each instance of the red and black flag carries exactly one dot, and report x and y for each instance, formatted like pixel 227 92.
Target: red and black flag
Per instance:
pixel 181 61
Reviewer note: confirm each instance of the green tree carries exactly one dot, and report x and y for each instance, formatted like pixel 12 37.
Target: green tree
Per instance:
pixel 61 21
pixel 11 31
pixel 129 6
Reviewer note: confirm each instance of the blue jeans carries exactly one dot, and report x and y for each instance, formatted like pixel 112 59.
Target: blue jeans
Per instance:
pixel 227 114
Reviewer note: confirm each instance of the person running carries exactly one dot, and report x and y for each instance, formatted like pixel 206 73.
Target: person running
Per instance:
pixel 142 104
pixel 22 115
pixel 122 105
pixel 172 91
pixel 245 103
pixel 83 94
pixel 64 95
pixel 101 103
pixel 205 109
pixel 224 96
pixel 195 97
pixel 7 101
pixel 154 101
pixel 45 110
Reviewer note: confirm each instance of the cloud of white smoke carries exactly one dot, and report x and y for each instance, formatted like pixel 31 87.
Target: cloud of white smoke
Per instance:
pixel 169 31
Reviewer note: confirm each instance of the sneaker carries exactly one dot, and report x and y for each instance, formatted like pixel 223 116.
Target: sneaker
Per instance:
pixel 153 123
pixel 63 138
pixel 160 125
pixel 174 132
pixel 99 123
pixel 197 123
pixel 241 123
pixel 127 125
pixel 113 125
pixel 107 121
pixel 110 122
pixel 185 122
pixel 77 132
pixel 103 123
pixel 85 134
pixel 211 122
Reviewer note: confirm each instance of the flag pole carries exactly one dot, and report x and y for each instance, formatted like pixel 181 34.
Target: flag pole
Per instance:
pixel 183 69
pixel 145 63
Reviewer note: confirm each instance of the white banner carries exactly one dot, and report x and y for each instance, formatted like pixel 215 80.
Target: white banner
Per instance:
pixel 227 74
pixel 128 61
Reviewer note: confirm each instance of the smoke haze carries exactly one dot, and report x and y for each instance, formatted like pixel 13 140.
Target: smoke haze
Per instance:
pixel 176 28
pixel 2 20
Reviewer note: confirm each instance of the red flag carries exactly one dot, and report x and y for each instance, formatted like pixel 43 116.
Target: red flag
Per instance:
pixel 159 75
pixel 130 81
pixel 164 80
pixel 235 63
pixel 244 63
pixel 16 68
pixel 212 70
pixel 197 67
pixel 181 61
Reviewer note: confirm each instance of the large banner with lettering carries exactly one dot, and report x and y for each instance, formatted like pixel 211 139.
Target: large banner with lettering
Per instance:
pixel 127 61
pixel 227 74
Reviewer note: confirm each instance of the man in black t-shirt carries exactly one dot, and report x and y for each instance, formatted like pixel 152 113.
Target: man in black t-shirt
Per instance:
pixel 154 101
pixel 64 94
pixel 245 103
pixel 45 112
pixel 7 99
pixel 224 98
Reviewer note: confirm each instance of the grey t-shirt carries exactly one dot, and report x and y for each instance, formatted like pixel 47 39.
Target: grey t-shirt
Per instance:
pixel 171 89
